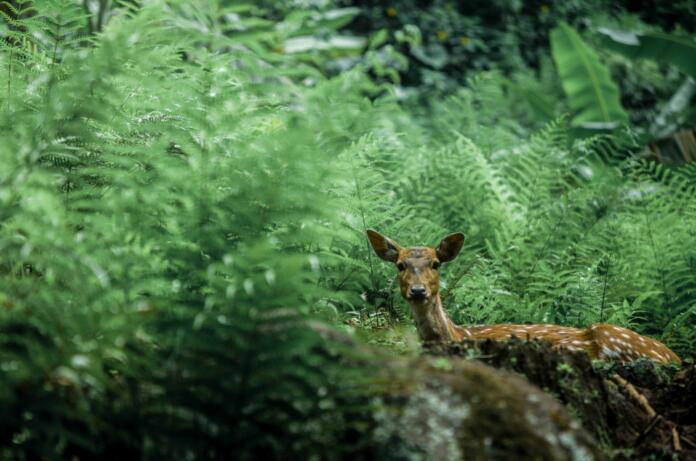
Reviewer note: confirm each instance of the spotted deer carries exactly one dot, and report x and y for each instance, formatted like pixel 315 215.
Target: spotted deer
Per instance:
pixel 419 281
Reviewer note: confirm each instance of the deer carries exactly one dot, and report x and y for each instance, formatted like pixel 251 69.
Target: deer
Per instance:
pixel 419 283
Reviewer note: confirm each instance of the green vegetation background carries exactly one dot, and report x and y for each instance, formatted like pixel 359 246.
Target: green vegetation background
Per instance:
pixel 185 186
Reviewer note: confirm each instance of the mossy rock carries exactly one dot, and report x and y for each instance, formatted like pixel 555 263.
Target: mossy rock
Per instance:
pixel 453 409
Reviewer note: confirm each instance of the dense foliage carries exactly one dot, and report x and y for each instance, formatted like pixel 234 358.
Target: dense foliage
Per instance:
pixel 185 188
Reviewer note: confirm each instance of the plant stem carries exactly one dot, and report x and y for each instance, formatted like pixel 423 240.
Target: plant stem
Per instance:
pixel 604 291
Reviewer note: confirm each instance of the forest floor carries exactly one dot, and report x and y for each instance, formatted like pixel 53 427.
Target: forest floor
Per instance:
pixel 638 410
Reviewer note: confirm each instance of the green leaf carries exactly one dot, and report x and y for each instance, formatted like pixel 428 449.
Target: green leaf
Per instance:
pixel 677 50
pixel 378 38
pixel 335 43
pixel 337 18
pixel 672 113
pixel 540 104
pixel 591 93
pixel 307 23
pixel 434 55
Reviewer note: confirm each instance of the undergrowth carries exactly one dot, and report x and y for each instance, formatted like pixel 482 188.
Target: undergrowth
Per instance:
pixel 179 198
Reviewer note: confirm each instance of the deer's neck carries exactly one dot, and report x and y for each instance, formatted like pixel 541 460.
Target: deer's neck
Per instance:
pixel 433 323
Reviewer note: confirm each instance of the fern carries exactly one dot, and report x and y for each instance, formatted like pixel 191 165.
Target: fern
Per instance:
pixel 141 230
pixel 180 201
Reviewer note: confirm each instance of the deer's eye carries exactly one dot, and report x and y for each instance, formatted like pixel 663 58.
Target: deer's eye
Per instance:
pixel 401 266
pixel 436 265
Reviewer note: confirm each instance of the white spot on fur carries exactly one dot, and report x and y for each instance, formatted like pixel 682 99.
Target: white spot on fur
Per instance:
pixel 609 352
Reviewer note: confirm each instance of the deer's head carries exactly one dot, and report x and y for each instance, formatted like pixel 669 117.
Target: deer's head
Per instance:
pixel 419 277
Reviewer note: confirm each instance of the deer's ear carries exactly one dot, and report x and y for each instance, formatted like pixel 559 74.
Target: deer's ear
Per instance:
pixel 385 248
pixel 449 247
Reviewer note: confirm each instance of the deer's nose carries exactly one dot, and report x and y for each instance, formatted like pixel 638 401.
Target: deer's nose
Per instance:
pixel 417 292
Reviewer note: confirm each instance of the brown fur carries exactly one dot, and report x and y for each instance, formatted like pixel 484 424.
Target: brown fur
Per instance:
pixel 418 269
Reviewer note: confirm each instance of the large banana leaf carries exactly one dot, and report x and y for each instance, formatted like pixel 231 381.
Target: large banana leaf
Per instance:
pixel 672 49
pixel 591 93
